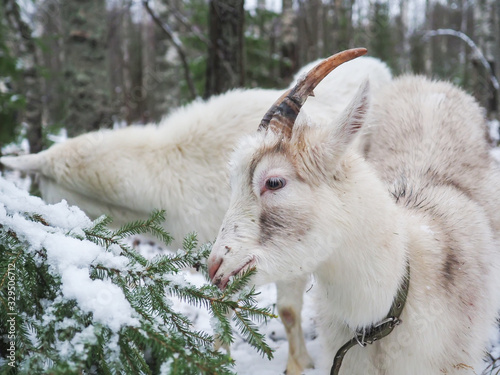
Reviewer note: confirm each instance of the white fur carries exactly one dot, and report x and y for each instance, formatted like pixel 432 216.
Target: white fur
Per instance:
pixel 180 165
pixel 425 192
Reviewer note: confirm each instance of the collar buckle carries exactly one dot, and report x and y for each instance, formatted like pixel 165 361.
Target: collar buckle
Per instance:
pixel 367 336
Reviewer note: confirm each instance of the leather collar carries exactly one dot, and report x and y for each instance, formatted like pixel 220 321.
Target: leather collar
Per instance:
pixel 378 331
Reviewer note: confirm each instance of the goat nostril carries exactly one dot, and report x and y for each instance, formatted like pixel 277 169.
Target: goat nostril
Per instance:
pixel 217 282
pixel 212 269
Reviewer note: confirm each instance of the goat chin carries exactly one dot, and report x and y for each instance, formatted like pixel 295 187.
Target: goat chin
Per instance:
pixel 410 180
pixel 180 165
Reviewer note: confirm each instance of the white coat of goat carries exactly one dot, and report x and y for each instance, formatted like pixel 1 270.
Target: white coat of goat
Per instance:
pixel 180 165
pixel 304 200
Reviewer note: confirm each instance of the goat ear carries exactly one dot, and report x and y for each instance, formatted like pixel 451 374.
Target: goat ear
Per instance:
pixel 327 144
pixel 353 118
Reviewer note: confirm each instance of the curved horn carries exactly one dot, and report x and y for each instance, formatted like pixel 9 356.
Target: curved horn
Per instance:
pixel 283 113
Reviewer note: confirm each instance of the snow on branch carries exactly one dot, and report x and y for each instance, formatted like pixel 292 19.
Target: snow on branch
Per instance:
pixel 75 298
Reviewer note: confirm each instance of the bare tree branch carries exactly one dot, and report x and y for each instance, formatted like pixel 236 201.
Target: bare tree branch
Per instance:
pixel 184 21
pixel 470 43
pixel 178 46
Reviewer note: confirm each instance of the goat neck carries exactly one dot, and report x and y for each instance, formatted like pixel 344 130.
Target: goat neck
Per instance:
pixel 365 241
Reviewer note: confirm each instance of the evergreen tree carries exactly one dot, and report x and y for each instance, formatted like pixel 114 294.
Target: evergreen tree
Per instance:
pixel 263 62
pixel 74 298
pixel 382 43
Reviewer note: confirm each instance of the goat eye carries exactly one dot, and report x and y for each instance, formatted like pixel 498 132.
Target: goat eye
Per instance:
pixel 275 183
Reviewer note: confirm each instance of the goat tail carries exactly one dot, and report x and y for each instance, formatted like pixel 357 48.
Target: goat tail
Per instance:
pixel 27 163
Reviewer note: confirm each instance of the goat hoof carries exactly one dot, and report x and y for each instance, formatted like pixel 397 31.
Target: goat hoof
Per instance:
pixel 298 367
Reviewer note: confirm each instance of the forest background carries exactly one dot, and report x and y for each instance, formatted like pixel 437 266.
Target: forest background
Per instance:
pixel 88 64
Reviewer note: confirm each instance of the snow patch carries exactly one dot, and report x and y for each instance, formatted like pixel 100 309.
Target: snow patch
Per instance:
pixel 496 153
pixel 427 229
pixel 68 257
pixel 494 131
pixel 59 137
pixel 101 297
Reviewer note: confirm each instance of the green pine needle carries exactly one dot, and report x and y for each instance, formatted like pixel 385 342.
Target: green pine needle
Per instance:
pixel 164 336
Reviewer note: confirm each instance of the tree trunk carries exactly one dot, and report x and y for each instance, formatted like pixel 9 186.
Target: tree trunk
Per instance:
pixel 496 29
pixel 225 65
pixel 289 63
pixel 31 86
pixel 85 70
pixel 116 67
pixel 53 97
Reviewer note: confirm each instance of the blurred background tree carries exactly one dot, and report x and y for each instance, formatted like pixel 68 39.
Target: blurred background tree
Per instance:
pixel 88 64
pixel 10 102
pixel 225 65
pixel 20 77
pixel 86 90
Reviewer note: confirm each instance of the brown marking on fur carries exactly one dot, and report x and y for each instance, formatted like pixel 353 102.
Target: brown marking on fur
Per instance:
pixel 434 178
pixel 450 268
pixel 287 317
pixel 437 179
pixel 274 222
pixel 462 366
pixel 280 147
pixel 269 223
pixel 309 159
pixel 459 187
pixel 417 198
pixel 440 180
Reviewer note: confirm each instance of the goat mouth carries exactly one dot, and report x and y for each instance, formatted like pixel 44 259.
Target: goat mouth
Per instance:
pixel 223 281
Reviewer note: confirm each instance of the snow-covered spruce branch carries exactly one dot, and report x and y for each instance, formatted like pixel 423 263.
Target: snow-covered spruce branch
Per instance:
pixel 471 44
pixel 78 299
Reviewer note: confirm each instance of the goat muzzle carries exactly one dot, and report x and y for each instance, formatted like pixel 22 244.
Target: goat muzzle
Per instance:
pixel 283 113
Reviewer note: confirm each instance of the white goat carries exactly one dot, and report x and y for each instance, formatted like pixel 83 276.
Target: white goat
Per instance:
pixel 180 166
pixel 423 208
